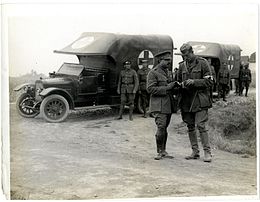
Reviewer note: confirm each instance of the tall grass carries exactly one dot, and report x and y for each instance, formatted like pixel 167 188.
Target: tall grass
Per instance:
pixel 233 125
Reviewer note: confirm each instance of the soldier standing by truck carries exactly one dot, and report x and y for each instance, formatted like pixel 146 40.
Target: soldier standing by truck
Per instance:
pixel 159 85
pixel 144 95
pixel 245 79
pixel 223 79
pixel 127 87
pixel 194 73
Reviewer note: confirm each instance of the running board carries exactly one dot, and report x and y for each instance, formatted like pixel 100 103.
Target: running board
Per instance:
pixel 97 107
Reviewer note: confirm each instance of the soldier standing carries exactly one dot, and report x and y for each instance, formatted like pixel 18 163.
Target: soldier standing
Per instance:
pixel 159 85
pixel 245 78
pixel 237 80
pixel 127 87
pixel 194 73
pixel 223 81
pixel 142 76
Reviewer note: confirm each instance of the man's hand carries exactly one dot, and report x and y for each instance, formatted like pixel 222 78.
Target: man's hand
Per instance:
pixel 188 83
pixel 170 85
pixel 118 91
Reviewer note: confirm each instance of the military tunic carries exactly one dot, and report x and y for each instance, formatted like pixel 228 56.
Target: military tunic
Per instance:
pixel 128 85
pixel 196 98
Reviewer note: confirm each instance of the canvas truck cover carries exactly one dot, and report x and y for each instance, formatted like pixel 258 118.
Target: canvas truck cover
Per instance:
pixel 110 51
pixel 226 53
pixel 119 47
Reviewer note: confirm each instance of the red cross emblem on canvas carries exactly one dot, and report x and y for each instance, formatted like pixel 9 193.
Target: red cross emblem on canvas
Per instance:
pixel 148 56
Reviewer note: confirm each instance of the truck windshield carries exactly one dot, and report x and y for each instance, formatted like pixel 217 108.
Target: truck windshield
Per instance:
pixel 71 69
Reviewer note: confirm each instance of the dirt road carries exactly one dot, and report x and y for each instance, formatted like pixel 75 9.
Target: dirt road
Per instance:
pixel 93 156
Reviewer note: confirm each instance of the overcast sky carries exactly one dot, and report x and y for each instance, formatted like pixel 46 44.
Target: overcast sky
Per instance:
pixel 34 31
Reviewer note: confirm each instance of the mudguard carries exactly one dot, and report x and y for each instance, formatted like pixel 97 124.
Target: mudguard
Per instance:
pixel 49 91
pixel 24 86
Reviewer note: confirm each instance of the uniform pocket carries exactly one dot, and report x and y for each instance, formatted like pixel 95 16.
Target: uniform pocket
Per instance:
pixel 196 74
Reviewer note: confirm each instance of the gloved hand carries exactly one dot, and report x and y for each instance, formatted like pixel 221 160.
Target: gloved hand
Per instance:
pixel 188 83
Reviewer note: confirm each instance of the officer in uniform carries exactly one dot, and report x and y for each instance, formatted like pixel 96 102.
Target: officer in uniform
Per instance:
pixel 127 87
pixel 245 78
pixel 142 77
pixel 196 81
pixel 223 81
pixel 159 85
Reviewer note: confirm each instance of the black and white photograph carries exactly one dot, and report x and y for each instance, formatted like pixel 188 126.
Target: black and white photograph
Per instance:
pixel 142 100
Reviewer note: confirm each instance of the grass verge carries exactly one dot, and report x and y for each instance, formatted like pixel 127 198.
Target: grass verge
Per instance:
pixel 232 125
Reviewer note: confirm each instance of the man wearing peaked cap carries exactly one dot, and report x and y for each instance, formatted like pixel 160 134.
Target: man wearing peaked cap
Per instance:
pixel 196 78
pixel 127 87
pixel 164 55
pixel 159 85
pixel 186 49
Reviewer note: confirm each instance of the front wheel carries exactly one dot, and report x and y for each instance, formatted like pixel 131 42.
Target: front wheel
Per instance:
pixel 26 106
pixel 54 108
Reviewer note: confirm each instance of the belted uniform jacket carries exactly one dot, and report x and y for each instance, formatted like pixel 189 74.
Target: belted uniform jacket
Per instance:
pixel 160 98
pixel 197 96
pixel 142 77
pixel 245 75
pixel 128 81
pixel 223 76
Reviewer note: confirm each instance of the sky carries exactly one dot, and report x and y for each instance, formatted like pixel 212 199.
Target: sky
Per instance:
pixel 33 31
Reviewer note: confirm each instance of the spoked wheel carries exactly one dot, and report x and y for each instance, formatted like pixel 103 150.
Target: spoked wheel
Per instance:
pixel 26 106
pixel 54 108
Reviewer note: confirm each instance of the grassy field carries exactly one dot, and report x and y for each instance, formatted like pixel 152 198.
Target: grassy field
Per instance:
pixel 233 125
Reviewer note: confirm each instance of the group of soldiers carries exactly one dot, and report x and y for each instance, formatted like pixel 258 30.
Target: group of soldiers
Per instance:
pixel 192 85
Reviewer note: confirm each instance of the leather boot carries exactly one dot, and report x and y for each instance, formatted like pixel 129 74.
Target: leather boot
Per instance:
pixel 121 112
pixel 246 92
pixel 224 97
pixel 206 147
pixel 145 113
pixel 194 145
pixel 159 144
pixel 164 152
pixel 207 156
pixel 164 141
pixel 131 109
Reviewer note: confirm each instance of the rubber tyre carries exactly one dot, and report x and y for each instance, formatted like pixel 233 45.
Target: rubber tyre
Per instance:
pixel 54 108
pixel 23 111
